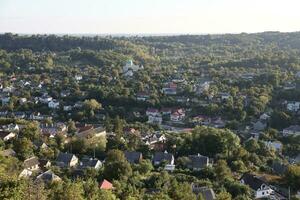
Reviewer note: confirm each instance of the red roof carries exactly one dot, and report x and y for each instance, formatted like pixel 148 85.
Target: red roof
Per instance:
pixel 106 185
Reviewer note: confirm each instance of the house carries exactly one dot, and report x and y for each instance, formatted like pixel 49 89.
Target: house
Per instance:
pixel 202 87
pixel 66 160
pixel 264 116
pixel 78 77
pixel 11 127
pixel 160 157
pixel 142 96
pixel 19 115
pixel 201 120
pixel 224 96
pixel 67 108
pixel 93 163
pixel 106 185
pixel 44 164
pixel 133 157
pixel 155 119
pixel 289 86
pixel 169 91
pixel 54 104
pixel 279 167
pixel 48 177
pixel 169 88
pixel 25 173
pixel 129 68
pixel 293 130
pixel 297 159
pixel 155 141
pixel 274 145
pixel 45 99
pixel 169 167
pixel 217 122
pixel 54 129
pixel 293 106
pixel 197 162
pixel 166 111
pixel 177 115
pixel 260 187
pixel 152 111
pixel 91 132
pixel 31 164
pixel 5 100
pixel 259 125
pixel 8 153
pixel 7 135
pixel 206 192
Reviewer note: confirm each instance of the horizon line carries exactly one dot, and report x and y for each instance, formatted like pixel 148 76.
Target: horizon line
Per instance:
pixel 148 34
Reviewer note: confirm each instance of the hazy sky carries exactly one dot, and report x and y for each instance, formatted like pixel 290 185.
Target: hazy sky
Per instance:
pixel 148 16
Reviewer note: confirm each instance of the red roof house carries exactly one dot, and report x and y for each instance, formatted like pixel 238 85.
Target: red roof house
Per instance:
pixel 106 185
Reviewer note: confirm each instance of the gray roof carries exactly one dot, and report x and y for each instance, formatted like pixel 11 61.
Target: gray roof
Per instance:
pixel 161 156
pixel 87 162
pixel 48 176
pixel 28 163
pixel 207 193
pixel 252 181
pixel 293 128
pixel 64 158
pixel 198 161
pixel 133 157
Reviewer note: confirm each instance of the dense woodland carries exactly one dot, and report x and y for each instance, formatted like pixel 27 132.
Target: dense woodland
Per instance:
pixel 253 81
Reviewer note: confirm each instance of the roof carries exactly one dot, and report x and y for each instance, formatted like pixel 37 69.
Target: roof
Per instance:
pixel 3 134
pixel 64 157
pixel 293 128
pixel 133 157
pixel 198 161
pixel 161 156
pixel 87 162
pixel 8 152
pixel 48 176
pixel 207 193
pixel 28 163
pixel 106 185
pixel 252 180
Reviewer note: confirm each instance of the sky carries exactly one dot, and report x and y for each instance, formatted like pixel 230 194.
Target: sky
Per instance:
pixel 148 16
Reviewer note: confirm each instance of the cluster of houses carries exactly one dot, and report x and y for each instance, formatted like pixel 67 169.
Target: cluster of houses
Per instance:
pixel 155 116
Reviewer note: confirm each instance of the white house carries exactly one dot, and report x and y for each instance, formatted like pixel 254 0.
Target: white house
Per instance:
pixel 293 106
pixel 53 104
pixel 155 118
pixel 129 68
pixel 261 188
pixel 78 77
pixel 68 108
pixel 177 115
pixel 6 136
pixel 45 99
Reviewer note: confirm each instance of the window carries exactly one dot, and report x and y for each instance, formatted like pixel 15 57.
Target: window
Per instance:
pixel 263 193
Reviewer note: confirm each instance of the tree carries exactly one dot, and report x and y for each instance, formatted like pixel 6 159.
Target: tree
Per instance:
pixel 71 127
pixel 222 170
pixel 23 148
pixel 145 166
pixel 224 196
pixel 292 176
pixel 92 104
pixel 31 131
pixel 116 166
pixel 72 190
pixel 181 191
